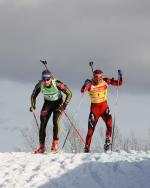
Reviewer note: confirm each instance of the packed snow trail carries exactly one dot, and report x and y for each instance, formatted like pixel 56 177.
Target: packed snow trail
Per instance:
pixel 114 170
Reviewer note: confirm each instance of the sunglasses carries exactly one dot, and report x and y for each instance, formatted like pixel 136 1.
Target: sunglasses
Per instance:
pixel 98 76
pixel 44 80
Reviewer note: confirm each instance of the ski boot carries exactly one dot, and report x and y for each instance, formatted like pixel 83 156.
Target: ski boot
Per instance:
pixel 107 145
pixel 54 147
pixel 86 149
pixel 41 149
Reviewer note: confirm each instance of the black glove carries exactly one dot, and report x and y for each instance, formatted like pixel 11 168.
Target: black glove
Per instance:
pixel 62 107
pixel 87 81
pixel 120 72
pixel 32 108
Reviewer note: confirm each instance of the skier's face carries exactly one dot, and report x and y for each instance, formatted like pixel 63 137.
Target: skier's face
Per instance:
pixel 47 82
pixel 98 78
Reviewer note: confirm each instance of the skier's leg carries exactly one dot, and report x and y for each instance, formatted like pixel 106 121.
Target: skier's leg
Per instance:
pixel 56 126
pixel 56 129
pixel 93 119
pixel 44 117
pixel 108 121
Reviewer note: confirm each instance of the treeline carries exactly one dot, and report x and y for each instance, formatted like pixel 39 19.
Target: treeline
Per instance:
pixel 74 144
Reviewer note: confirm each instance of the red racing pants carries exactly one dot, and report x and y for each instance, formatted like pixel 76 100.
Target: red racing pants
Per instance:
pixel 97 111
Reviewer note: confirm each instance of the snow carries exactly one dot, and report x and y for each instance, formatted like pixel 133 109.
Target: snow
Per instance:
pixel 63 170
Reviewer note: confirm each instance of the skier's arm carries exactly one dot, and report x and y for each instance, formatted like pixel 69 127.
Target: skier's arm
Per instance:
pixel 35 93
pixel 62 87
pixel 113 81
pixel 86 86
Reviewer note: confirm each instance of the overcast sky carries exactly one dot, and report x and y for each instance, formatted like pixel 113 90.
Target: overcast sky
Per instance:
pixel 70 33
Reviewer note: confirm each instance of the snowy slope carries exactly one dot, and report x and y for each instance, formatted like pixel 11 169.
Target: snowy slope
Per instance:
pixel 114 170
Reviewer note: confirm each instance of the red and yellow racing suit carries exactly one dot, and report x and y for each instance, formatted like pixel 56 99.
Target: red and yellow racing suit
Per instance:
pixel 99 106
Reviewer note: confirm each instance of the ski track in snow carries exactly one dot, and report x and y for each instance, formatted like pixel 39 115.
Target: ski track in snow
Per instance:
pixel 62 170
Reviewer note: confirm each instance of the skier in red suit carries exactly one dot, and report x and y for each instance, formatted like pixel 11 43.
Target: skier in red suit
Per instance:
pixel 97 90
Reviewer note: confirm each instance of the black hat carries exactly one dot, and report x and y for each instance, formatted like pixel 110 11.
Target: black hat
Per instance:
pixel 98 71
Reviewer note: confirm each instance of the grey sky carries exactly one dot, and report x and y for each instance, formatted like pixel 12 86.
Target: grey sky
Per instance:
pixel 70 33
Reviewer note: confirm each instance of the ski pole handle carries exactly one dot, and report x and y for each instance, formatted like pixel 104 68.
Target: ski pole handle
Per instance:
pixel 44 63
pixel 119 72
pixel 91 65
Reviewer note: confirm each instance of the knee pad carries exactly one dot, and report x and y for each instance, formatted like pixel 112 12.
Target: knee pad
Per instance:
pixel 44 113
pixel 92 120
pixel 108 115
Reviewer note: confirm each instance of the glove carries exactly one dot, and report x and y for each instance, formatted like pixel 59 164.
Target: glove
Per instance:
pixel 120 72
pixel 87 81
pixel 62 107
pixel 32 109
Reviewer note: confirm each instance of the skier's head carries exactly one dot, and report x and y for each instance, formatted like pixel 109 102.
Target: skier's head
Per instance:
pixel 46 77
pixel 97 75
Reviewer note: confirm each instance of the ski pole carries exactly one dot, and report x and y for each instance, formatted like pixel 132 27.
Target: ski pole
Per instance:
pixel 74 128
pixel 74 116
pixel 66 137
pixel 44 63
pixel 113 130
pixel 79 104
pixel 36 121
pixel 91 65
pixel 114 122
